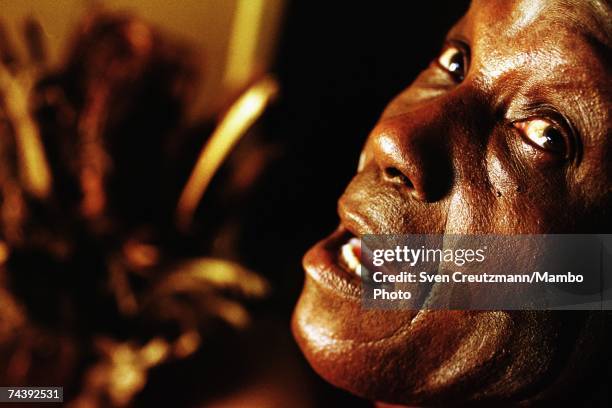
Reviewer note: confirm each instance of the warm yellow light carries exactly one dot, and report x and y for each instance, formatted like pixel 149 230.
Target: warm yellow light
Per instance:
pixel 239 118
pixel 154 352
pixel 33 168
pixel 4 252
pixel 241 55
pixel 187 344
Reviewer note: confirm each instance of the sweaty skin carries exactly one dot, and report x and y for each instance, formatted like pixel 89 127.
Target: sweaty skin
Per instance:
pixel 507 132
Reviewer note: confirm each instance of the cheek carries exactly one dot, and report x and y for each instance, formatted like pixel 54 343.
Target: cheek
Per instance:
pixel 366 156
pixel 483 199
pixel 362 161
pixel 501 179
pixel 525 200
pixel 501 197
pixel 509 209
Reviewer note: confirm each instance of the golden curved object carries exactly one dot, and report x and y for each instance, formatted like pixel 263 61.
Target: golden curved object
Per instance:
pixel 238 119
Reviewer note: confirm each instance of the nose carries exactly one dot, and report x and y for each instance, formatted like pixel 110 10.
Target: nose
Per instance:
pixel 412 151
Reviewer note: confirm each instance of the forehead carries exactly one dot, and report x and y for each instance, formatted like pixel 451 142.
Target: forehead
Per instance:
pixel 592 18
pixel 557 49
pixel 576 32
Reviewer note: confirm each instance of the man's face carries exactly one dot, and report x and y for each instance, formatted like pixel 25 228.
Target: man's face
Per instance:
pixel 507 132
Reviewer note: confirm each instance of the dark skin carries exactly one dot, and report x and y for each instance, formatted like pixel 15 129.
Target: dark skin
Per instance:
pixel 507 132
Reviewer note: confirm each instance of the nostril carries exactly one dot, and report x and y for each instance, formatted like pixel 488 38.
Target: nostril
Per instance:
pixel 394 175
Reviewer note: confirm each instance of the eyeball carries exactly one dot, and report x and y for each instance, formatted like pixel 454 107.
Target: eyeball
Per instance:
pixel 544 135
pixel 453 59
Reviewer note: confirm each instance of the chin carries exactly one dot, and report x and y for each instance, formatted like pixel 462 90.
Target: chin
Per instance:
pixel 443 357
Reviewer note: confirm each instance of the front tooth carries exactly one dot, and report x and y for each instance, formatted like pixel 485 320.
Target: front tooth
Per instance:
pixel 348 254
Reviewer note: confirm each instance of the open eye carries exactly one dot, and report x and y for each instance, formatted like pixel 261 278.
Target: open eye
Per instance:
pixel 544 135
pixel 454 60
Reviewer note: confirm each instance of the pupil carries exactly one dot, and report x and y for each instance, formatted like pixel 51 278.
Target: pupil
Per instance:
pixel 554 140
pixel 456 65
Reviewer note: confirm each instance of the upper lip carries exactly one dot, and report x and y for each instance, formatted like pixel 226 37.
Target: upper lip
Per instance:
pixel 360 224
pixel 354 222
pixel 321 262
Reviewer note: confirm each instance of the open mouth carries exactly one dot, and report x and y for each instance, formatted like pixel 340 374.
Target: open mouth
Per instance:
pixel 334 262
pixel 350 256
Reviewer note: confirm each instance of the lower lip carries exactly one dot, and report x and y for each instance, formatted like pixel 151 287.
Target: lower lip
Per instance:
pixel 322 264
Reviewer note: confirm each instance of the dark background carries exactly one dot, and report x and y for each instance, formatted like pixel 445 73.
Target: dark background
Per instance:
pixel 339 64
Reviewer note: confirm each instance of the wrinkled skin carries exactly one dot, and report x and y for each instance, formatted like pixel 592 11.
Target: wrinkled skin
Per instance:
pixel 449 155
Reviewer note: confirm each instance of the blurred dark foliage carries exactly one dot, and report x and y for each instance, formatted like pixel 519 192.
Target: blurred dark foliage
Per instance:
pixel 99 286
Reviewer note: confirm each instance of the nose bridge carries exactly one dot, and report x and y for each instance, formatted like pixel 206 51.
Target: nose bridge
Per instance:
pixel 413 150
